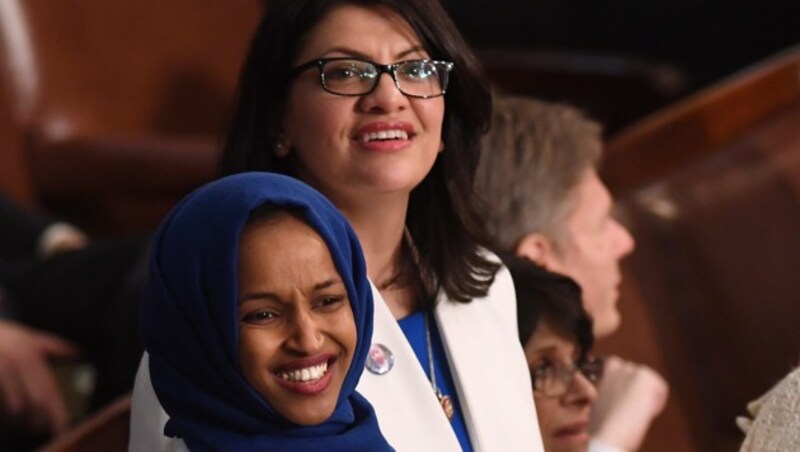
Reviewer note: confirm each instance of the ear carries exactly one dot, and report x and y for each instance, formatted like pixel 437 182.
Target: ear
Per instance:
pixel 441 146
pixel 539 249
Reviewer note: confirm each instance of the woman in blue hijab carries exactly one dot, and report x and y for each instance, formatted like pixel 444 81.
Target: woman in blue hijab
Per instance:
pixel 248 336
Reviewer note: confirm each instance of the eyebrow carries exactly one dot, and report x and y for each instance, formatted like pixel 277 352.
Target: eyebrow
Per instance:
pixel 260 296
pixel 274 297
pixel 355 53
pixel 328 283
pixel 548 348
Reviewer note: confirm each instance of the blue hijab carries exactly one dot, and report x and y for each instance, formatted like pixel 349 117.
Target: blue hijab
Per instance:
pixel 189 322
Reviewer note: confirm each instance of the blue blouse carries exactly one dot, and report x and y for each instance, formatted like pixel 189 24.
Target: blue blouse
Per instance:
pixel 413 327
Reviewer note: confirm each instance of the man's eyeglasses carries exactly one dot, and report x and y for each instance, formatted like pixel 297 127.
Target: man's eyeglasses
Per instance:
pixel 356 77
pixel 552 380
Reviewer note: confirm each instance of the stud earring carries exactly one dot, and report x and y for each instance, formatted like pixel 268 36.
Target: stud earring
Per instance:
pixel 281 149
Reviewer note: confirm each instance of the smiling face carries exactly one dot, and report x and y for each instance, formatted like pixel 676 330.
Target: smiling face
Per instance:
pixel 297 334
pixel 563 420
pixel 589 252
pixel 333 139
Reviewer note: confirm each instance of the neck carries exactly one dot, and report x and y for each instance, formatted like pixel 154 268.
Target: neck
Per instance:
pixel 380 228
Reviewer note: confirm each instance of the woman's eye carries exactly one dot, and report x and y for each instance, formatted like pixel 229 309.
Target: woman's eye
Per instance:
pixel 344 71
pixel 341 73
pixel 259 317
pixel 544 367
pixel 418 71
pixel 330 302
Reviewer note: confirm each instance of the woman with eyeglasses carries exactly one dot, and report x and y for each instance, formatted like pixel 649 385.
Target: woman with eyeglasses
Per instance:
pixel 556 333
pixel 379 104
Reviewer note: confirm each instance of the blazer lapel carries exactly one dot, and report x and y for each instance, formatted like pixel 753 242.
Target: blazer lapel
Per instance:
pixel 489 370
pixel 408 412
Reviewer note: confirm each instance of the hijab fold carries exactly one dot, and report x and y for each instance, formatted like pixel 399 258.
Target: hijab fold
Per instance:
pixel 189 323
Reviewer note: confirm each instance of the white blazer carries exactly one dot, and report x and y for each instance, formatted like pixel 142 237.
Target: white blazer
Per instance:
pixel 488 367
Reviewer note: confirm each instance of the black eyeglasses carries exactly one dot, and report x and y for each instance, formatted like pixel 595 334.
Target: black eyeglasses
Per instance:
pixel 356 77
pixel 552 380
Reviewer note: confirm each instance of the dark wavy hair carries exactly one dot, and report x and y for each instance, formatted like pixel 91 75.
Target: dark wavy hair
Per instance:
pixel 441 215
pixel 552 297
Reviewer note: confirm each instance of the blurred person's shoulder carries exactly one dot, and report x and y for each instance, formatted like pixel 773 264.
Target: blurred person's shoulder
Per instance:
pixel 776 423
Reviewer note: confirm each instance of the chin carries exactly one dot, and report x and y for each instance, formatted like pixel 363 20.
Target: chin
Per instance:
pixel 399 178
pixel 606 325
pixel 308 418
pixel 566 446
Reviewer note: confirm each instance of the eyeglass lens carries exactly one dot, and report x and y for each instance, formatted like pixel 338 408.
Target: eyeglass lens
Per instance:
pixel 419 78
pixel 554 381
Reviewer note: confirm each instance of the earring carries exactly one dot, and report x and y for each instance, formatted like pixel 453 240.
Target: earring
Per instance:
pixel 281 149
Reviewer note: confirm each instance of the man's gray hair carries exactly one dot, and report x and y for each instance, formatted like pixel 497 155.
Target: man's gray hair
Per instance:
pixel 533 157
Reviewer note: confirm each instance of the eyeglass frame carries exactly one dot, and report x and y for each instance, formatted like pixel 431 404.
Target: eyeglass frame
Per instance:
pixel 566 374
pixel 390 69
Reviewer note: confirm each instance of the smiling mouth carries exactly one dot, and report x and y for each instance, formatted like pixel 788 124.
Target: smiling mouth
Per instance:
pixel 304 375
pixel 384 135
pixel 307 377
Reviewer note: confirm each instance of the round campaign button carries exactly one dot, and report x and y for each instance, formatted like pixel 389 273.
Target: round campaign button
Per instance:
pixel 380 359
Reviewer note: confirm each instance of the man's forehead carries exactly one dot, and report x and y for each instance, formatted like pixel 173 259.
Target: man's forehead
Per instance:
pixel 590 197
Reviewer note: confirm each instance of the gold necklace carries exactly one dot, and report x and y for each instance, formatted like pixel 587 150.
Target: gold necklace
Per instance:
pixel 444 400
pixel 412 260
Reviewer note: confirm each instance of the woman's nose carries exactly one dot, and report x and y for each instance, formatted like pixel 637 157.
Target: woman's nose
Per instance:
pixel 581 391
pixel 305 335
pixel 386 97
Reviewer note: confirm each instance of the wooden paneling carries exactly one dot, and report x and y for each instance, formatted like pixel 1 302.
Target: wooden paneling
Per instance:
pixel 710 188
pixel 14 179
pixel 701 124
pixel 120 105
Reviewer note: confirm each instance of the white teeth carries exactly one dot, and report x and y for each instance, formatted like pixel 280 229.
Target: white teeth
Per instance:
pixel 306 374
pixel 385 135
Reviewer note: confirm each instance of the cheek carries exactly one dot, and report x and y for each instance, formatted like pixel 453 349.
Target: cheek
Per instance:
pixel 346 332
pixel 573 262
pixel 431 114
pixel 341 332
pixel 588 257
pixel 546 410
pixel 602 247
pixel 256 349
pixel 323 115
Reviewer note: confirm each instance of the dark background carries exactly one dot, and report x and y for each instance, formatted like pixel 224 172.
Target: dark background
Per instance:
pixel 707 40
